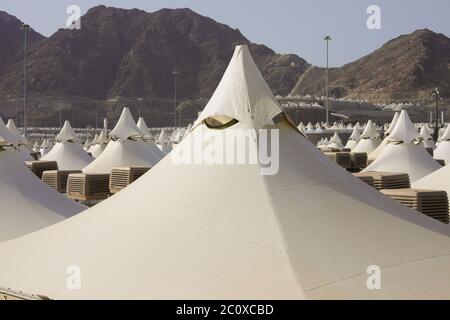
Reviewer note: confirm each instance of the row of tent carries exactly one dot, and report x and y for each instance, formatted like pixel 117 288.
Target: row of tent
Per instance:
pixel 226 231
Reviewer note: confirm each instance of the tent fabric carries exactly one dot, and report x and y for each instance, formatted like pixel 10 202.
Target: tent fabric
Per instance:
pixel 442 151
pixel 404 130
pixel 370 139
pixel 437 180
pixel 28 204
pixel 232 93
pixel 402 153
pixel 163 137
pixel 310 230
pixel 125 128
pixel 335 142
pixel 412 159
pixel 354 139
pixel 427 139
pixel 392 125
pixel 67 134
pixel 100 144
pixel 126 153
pixel 69 156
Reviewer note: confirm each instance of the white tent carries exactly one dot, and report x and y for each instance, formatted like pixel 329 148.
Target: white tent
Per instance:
pixel 99 145
pixel 335 142
pixel 27 204
pixel 19 141
pixel 144 128
pixel 392 125
pixel 310 230
pixel 375 153
pixel 427 139
pixel 126 148
pixel 354 139
pixel 67 152
pixel 163 142
pixel 370 139
pixel 442 152
pixel 403 153
pixel 45 147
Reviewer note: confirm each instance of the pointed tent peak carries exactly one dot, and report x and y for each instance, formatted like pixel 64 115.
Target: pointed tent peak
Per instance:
pixel 67 134
pixel 13 129
pixel 163 137
pixel 242 95
pixel 142 125
pixel 404 130
pixel 94 141
pixel 6 136
pixel 370 131
pixel 393 123
pixel 87 143
pixel 102 138
pixel 126 127
pixel 355 136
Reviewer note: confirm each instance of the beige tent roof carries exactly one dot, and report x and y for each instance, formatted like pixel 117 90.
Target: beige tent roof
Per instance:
pixel 197 231
pixel 437 180
pixel 67 134
pixel 392 125
pixel 125 128
pixel 402 152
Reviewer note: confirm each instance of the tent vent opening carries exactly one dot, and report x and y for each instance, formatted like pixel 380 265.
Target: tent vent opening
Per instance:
pixel 220 122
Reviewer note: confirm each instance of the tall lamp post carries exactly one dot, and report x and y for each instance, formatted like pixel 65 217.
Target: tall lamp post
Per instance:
pixel 436 95
pixel 175 73
pixel 327 39
pixel 25 28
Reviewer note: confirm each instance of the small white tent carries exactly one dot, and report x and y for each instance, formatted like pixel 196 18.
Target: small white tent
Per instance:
pixel 375 153
pixel 126 148
pixel 442 152
pixel 309 230
pixel 403 153
pixel 335 142
pixel 163 142
pixel 19 141
pixel 427 139
pixel 68 152
pixel 370 139
pixel 99 145
pixel 354 139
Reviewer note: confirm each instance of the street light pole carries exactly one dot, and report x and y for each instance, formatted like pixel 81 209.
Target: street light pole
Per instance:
pixel 436 94
pixel 25 28
pixel 327 39
pixel 175 73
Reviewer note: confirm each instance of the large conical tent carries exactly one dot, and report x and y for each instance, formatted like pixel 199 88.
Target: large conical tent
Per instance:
pixel 370 139
pixel 100 144
pixel 309 230
pixel 442 152
pixel 437 180
pixel 126 148
pixel 375 153
pixel 68 152
pixel 404 153
pixel 20 141
pixel 27 204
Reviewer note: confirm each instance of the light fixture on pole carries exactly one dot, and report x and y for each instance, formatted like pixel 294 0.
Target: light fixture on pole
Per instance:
pixel 175 73
pixel 25 28
pixel 327 39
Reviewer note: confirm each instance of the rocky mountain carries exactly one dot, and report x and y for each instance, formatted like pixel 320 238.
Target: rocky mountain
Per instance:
pixel 128 56
pixel 12 39
pixel 405 68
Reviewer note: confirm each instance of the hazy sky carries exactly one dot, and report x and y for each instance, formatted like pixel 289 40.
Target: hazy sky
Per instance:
pixel 287 26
